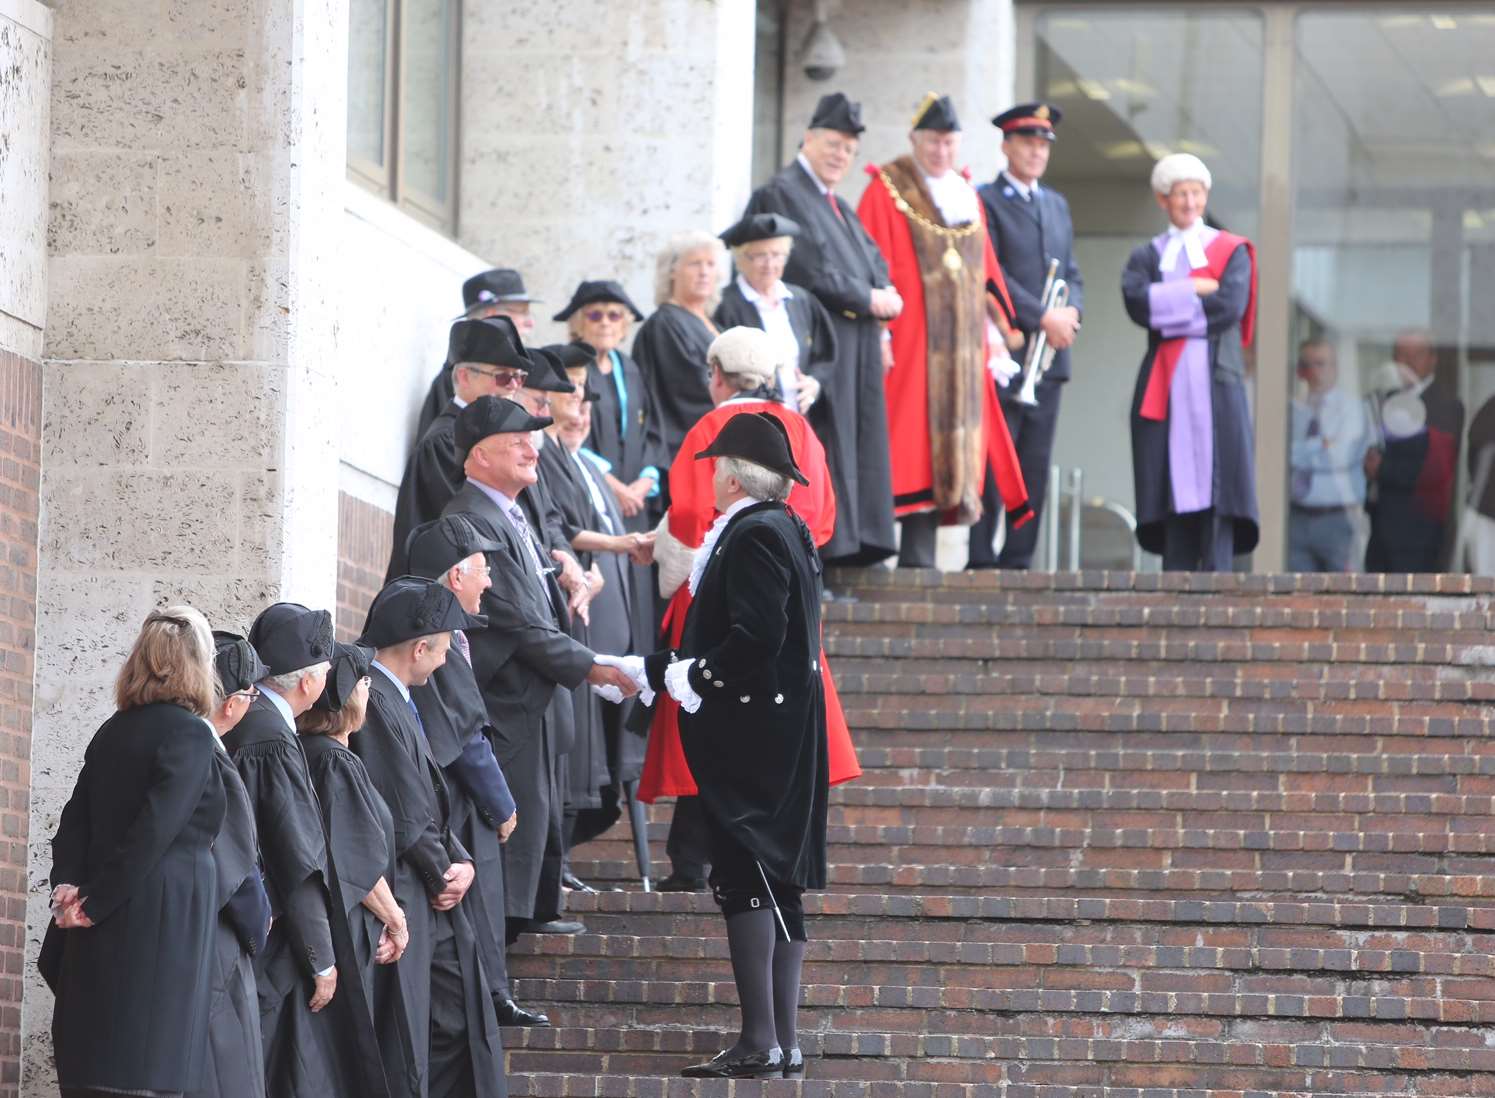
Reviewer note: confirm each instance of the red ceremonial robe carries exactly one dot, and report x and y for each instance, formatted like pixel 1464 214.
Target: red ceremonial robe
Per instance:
pixel 692 511
pixel 907 384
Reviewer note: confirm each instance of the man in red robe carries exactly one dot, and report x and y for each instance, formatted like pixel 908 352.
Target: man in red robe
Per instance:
pixel 944 423
pixel 743 378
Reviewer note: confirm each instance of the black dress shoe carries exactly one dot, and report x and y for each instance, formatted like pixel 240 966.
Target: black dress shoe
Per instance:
pixel 557 926
pixel 574 883
pixel 794 1064
pixel 742 1065
pixel 511 1013
pixel 678 882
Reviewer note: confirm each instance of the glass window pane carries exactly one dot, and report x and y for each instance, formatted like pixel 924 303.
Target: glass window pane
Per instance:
pixel 1393 270
pixel 368 37
pixel 768 90
pixel 426 119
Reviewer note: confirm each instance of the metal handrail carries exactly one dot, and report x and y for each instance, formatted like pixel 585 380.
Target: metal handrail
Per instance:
pixel 1075 493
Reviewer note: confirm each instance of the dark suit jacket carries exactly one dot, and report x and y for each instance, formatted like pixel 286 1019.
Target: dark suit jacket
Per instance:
pixel 1026 236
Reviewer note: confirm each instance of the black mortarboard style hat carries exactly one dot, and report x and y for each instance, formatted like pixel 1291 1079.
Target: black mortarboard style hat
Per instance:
pixel 288 636
pixel 350 662
pixel 591 292
pixel 237 663
pixel 836 112
pixel 764 226
pixel 491 415
pixel 545 372
pixel 757 437
pixel 936 112
pixel 492 342
pixel 495 287
pixel 576 353
pixel 1038 119
pixel 433 547
pixel 411 607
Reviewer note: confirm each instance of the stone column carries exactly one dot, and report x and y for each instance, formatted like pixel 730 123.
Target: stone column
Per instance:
pixel 189 449
pixel 593 130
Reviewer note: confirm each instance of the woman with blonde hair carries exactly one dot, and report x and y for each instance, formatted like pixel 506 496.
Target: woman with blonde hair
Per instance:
pixel 671 346
pixel 134 896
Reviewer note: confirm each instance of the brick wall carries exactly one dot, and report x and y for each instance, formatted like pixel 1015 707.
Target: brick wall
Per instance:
pixel 20 475
pixel 363 545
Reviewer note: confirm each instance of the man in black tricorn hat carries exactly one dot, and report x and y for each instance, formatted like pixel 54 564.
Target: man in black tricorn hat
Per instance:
pixel 838 262
pixel 747 677
pixel 484 357
pixel 296 973
pixel 493 293
pixel 443 989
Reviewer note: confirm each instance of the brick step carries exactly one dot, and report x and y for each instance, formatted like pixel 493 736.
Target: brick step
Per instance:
pixel 555 1082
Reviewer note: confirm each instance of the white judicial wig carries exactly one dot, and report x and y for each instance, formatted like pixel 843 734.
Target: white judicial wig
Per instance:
pixel 1177 167
pixel 746 352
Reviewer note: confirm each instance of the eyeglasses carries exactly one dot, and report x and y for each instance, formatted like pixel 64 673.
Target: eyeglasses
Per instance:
pixel 612 316
pixel 765 257
pixel 504 379
pixel 252 693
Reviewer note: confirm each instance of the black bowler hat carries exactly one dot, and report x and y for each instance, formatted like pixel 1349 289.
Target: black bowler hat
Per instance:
pixel 836 112
pixel 288 637
pixel 576 353
pixel 764 226
pixel 350 662
pixel 937 113
pixel 237 663
pixel 1038 119
pixel 411 607
pixel 546 373
pixel 501 284
pixel 595 291
pixel 493 342
pixel 433 547
pixel 757 437
pixel 491 415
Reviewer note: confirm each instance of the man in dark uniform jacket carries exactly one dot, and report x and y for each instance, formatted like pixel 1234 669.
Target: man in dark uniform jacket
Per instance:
pixel 484 357
pixel 443 991
pixel 496 293
pixel 295 972
pixel 1030 227
pixel 752 722
pixel 525 662
pixel 838 262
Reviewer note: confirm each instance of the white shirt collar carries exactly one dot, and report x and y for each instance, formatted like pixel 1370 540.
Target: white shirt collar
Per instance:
pixel 1190 241
pixel 780 293
pixel 703 554
pixel 815 179
pixel 282 707
pixel 390 675
pixel 458 401
pixel 1024 189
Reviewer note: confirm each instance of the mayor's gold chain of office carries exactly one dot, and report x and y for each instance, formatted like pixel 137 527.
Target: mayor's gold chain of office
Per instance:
pixel 951 258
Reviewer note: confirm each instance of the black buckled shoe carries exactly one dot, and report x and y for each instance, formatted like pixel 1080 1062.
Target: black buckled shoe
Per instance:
pixel 741 1065
pixel 571 882
pixel 794 1064
pixel 511 1013
pixel 557 926
pixel 678 882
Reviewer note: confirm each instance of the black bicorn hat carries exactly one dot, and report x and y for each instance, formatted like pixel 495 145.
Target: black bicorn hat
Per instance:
pixel 546 373
pixel 350 662
pixel 936 112
pixel 1038 119
pixel 288 636
pixel 237 663
pixel 491 415
pixel 758 437
pixel 761 226
pixel 411 607
pixel 493 341
pixel 596 290
pixel 576 353
pixel 494 287
pixel 434 547
pixel 836 112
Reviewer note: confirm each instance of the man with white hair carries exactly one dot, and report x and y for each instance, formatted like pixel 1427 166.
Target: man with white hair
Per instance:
pixel 1193 288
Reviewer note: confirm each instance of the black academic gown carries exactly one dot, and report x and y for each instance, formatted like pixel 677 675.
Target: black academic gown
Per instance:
pixel 134 990
pixel 438 396
pixel 432 476
pixel 1412 512
pixel 671 351
pixel 839 263
pixel 442 983
pixel 526 665
pixel 235 1055
pixel 299 1062
pixel 812 327
pixel 1234 478
pixel 360 850
pixel 757 744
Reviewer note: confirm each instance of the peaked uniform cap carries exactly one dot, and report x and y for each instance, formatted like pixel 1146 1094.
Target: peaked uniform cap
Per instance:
pixel 1038 119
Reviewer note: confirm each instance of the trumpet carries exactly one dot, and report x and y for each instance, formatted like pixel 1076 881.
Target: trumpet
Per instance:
pixel 1040 355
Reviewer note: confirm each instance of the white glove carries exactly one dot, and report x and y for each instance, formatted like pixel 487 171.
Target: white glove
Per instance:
pixel 1003 369
pixel 633 667
pixel 677 682
pixel 609 693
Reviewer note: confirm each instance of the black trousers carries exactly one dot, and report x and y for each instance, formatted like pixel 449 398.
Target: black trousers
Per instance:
pixel 1032 430
pixel 451 1057
pixel 1200 541
pixel 688 844
pixel 917 541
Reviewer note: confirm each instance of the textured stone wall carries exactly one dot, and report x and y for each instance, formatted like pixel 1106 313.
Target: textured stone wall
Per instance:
pixel 605 127
pixel 363 544
pixel 25 82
